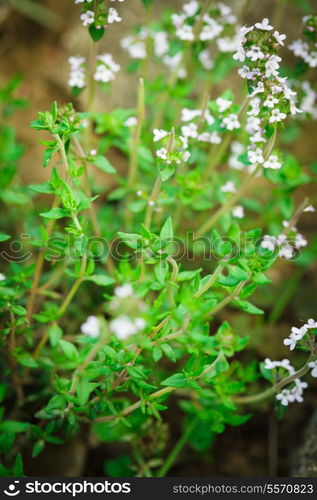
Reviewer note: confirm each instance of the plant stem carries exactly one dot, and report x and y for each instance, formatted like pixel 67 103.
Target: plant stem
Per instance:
pixel 133 165
pixel 213 278
pixel 169 462
pixel 227 299
pixel 12 361
pixel 151 202
pixel 173 279
pixel 39 266
pixel 256 398
pixel 206 226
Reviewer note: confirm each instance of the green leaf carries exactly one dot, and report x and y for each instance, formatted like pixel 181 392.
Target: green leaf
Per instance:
pixel 19 310
pixel 104 164
pixel 55 213
pixel 4 237
pixel 38 448
pixel 157 354
pixel 17 470
pixel 69 349
pixel 14 427
pixel 167 230
pixel 169 352
pixel 176 380
pixel 247 307
pixel 100 279
pixel 25 359
pixel 187 275
pixel 48 155
pixel 55 333
pixel 83 390
pixel 44 188
pixel 96 33
pixel 130 239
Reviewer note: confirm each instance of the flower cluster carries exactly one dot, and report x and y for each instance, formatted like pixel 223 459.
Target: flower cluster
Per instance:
pixel 297 334
pixel 286 244
pixel 136 45
pixel 271 99
pixel 101 16
pixel 297 386
pixel 174 148
pixel 106 68
pixel 124 324
pixel 308 102
pixel 77 72
pixel 307 50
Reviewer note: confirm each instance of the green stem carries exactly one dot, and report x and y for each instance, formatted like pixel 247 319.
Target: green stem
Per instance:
pixel 151 202
pixel 133 166
pixel 169 462
pixel 213 278
pixel 173 279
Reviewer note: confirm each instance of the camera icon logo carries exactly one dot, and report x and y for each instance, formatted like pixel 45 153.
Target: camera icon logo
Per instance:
pixel 13 492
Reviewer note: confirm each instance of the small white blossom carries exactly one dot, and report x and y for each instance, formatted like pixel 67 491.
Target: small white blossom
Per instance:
pixel 229 187
pixel 223 104
pixel 131 121
pixel 91 327
pixel 264 25
pixel 185 33
pixel 256 156
pixel 205 59
pixel 279 37
pixel 309 208
pixel 313 366
pixel 88 18
pixel 255 53
pixel 187 115
pixel 285 397
pixel 190 130
pixel 162 153
pixel 238 212
pixel 113 16
pixel 2 277
pixel 77 72
pixel 191 8
pixel 231 122
pixel 277 116
pixel 272 162
pixel 159 134
pixel 123 327
pixel 270 101
pixel 106 68
pixel 124 291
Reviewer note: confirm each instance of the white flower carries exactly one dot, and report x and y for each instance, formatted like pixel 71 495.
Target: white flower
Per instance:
pixel 285 397
pixel 311 323
pixel 269 242
pixel 187 115
pixel 136 48
pixel 231 122
pixel 309 208
pixel 211 30
pixel 191 8
pixel 272 162
pixel 174 62
pixel 205 59
pixel 106 68
pixel 238 212
pixel 300 241
pixel 91 327
pixel 131 121
pixel 264 25
pixel 255 53
pixel 162 153
pixel 2 277
pixel 255 156
pixel 178 20
pixel 223 104
pixel 123 326
pixel 88 17
pixel 253 124
pixel 113 16
pixel 159 134
pixel 229 187
pixel 279 37
pixel 272 65
pixel 240 54
pixel 291 341
pixel 270 101
pixel 185 33
pixel 77 72
pixel 190 130
pixel 286 252
pixel 161 44
pixel 212 137
pixel 277 116
pixel 123 291
pixel 299 48
pixel 313 366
